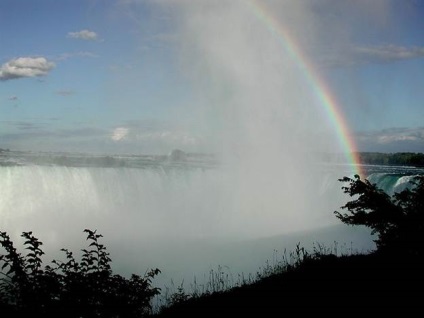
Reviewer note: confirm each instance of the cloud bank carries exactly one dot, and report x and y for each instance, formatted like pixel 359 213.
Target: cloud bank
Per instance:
pixel 392 140
pixel 25 67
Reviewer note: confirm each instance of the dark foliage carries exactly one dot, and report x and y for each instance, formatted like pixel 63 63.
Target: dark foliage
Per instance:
pixel 398 221
pixel 69 288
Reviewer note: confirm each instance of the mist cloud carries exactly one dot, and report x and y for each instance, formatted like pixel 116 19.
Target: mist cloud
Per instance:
pixel 25 67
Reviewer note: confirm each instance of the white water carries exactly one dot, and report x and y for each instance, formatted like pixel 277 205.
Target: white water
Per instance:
pixel 188 202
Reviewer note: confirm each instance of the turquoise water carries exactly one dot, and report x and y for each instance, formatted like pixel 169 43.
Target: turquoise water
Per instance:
pixel 392 179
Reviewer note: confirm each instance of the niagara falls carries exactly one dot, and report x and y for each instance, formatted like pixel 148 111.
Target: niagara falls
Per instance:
pixel 187 214
pixel 199 137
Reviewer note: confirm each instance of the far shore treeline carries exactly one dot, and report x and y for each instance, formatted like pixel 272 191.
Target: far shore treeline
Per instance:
pixel 398 158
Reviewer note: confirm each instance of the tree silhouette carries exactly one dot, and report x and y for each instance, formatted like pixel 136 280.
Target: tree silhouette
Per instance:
pixel 398 220
pixel 69 288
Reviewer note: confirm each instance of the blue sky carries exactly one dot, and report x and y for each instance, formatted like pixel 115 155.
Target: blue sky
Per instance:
pixel 138 76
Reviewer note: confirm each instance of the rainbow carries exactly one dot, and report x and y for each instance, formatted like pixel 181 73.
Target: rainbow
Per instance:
pixel 318 86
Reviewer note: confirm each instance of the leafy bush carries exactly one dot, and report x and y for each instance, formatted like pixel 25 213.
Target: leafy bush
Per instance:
pixel 69 288
pixel 398 221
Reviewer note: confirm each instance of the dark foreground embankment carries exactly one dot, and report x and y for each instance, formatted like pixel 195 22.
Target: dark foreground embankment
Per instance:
pixel 360 285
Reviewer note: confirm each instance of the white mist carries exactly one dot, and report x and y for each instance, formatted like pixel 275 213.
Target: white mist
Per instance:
pixel 265 124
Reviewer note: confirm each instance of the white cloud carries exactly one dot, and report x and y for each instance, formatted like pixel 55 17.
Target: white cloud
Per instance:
pixel 25 67
pixel 179 137
pixel 154 137
pixel 83 35
pixel 119 133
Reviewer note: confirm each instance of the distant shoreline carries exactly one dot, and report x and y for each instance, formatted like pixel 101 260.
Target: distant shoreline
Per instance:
pixel 392 159
pixel 412 159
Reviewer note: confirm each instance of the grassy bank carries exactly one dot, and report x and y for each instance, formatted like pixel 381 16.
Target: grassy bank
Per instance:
pixel 319 285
